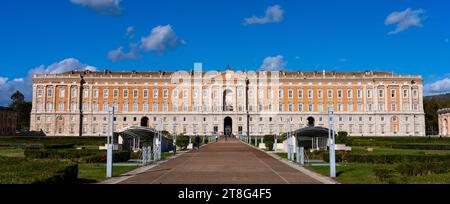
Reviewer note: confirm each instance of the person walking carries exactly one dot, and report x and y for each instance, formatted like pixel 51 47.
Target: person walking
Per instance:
pixel 197 142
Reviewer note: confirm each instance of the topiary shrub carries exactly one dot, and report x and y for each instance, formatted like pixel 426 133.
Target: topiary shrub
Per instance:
pixel 269 142
pixel 342 138
pixel 182 142
pixel 383 173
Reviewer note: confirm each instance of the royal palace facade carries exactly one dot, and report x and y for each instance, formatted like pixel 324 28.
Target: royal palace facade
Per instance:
pixel 196 102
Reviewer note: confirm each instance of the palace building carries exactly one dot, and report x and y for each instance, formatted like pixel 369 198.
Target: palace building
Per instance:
pixel 444 121
pixel 205 103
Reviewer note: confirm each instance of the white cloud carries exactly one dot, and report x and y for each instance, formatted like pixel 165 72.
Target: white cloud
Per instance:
pixel 130 32
pixel 438 87
pixel 405 19
pixel 160 39
pixel 3 80
pixel 65 65
pixel 24 85
pixel 276 63
pixel 118 54
pixel 110 7
pixel 274 14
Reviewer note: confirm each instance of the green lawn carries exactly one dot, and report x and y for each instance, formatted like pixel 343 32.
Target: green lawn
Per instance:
pixel 11 152
pixel 350 173
pixel 93 173
pixel 358 173
pixel 389 151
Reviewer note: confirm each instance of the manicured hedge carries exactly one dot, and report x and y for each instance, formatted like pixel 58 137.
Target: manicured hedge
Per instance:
pixel 30 171
pixel 423 168
pixel 421 146
pixel 386 159
pixel 87 156
pixel 77 141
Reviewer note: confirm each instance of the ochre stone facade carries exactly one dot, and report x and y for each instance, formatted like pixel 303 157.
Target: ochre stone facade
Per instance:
pixel 8 122
pixel 444 122
pixel 365 103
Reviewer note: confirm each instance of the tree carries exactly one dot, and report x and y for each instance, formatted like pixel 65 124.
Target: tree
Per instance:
pixel 23 110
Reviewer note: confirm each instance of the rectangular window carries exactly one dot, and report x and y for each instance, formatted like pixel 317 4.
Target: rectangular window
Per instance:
pixel 61 106
pixel 381 93
pixel 105 93
pixel 300 93
pixel 280 93
pixel 369 107
pixel 310 93
pixel 125 93
pixel 166 93
pixel 415 93
pixel 310 107
pixel 95 93
pixel 369 93
pixel 185 93
pixel 381 107
pixel 340 107
pixel 320 107
pixel 405 93
pixel 105 107
pixel 320 93
pixel 280 107
pixel 339 93
pixel 155 93
pixel 125 107
pixel 330 93
pixel 300 107
pixel 155 107
pixel 135 93
pixel 359 93
pixel 49 91
pixel 62 92
pixel 165 107
pixel 393 93
pixel 145 94
pixel 291 107
pixel 86 92
pixel 116 93
pixel 349 93
pixel 85 107
pixel 175 107
pixel 95 107
pixel 291 93
pixel 39 92
pixel 135 107
pixel 350 107
pixel 74 92
pixel 393 107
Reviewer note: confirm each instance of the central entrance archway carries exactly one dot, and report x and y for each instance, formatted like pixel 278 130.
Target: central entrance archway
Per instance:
pixel 311 122
pixel 228 126
pixel 144 122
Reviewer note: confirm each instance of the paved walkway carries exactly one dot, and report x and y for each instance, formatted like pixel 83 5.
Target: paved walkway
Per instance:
pixel 224 162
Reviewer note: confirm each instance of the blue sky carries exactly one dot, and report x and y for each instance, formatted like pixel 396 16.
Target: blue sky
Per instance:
pixel 407 37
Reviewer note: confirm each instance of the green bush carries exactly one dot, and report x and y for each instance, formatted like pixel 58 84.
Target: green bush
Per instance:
pixel 385 159
pixel 77 141
pixel 423 168
pixel 30 171
pixel 342 138
pixel 182 142
pixel 87 156
pixel 269 142
pixel 383 173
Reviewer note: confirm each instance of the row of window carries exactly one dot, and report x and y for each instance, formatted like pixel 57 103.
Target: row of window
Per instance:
pixel 175 92
pixel 360 107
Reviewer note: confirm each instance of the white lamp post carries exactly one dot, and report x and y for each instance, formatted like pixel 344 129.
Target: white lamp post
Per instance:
pixel 110 143
pixel 331 138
